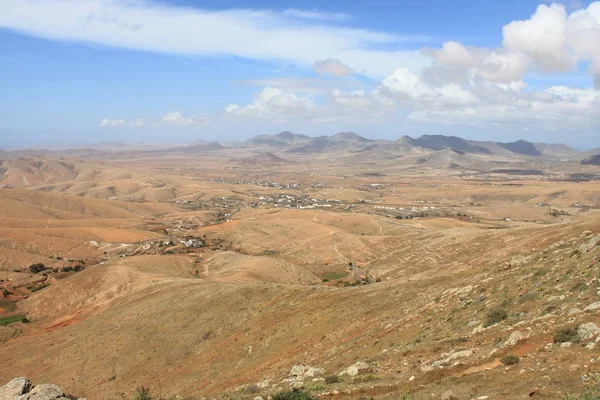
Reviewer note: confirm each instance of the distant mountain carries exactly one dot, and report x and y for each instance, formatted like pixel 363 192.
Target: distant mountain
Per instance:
pixel 282 139
pixel 351 136
pixel 441 142
pixel 267 159
pixel 558 150
pixel 593 160
pixel 521 147
pixel 452 159
pixel 343 141
pixel 198 148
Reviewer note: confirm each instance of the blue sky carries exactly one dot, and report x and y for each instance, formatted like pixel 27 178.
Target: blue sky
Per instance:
pixel 79 72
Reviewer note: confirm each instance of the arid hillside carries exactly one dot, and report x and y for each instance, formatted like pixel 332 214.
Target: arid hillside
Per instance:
pixel 238 273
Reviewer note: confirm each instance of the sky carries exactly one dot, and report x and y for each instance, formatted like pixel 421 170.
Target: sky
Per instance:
pixel 77 72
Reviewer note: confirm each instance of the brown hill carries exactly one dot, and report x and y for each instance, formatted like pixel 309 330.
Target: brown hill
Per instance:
pixel 592 160
pixel 266 159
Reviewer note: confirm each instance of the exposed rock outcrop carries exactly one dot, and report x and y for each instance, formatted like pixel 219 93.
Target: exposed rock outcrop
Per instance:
pixel 23 389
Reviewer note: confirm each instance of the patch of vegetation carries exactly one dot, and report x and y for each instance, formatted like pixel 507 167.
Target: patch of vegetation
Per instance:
pixel 332 276
pixel 549 309
pixel 579 287
pixel 314 387
pixel 76 268
pixel 365 378
pixel 15 318
pixel 294 394
pixel 530 296
pixel 38 288
pixel 37 268
pixel 495 316
pixel 564 335
pixel 251 389
pixel 5 293
pixel 510 360
pixel 585 396
pixel 270 253
pixel 332 379
pixel 142 393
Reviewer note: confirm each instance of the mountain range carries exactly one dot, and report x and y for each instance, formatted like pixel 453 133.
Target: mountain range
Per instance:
pixel 351 144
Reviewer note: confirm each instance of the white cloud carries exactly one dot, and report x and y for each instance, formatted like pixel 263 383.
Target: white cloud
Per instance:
pixel 317 15
pixel 304 85
pixel 412 87
pixel 454 84
pixel 121 122
pixel 497 65
pixel 332 67
pixel 274 104
pixel 550 41
pixel 261 35
pixel 543 37
pixel 113 122
pixel 177 118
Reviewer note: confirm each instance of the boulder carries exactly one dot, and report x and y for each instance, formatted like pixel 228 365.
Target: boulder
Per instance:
pixel 16 387
pixel 449 358
pixel 23 389
pixel 449 395
pixel 301 372
pixel 593 307
pixel 587 331
pixel 513 339
pixel 357 369
pixel 44 392
pixel 590 246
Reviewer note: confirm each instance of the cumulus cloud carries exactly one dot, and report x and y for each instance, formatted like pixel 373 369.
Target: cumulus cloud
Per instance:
pixel 332 67
pixel 453 84
pixel 299 37
pixel 177 118
pixel 497 65
pixel 543 37
pixel 276 105
pixel 550 41
pixel 139 122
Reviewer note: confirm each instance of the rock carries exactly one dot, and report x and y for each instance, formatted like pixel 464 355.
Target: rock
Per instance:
pixel 426 368
pixel 591 245
pixel 593 306
pixel 264 383
pixel 259 398
pixel 16 387
pixel 301 372
pixel 44 392
pixel 517 261
pixel 534 391
pixel 574 311
pixel 449 395
pixel 23 389
pixel 574 368
pixel 359 368
pixel 463 291
pixel 452 356
pixel 566 344
pixel 412 378
pixel 587 331
pixel 513 339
